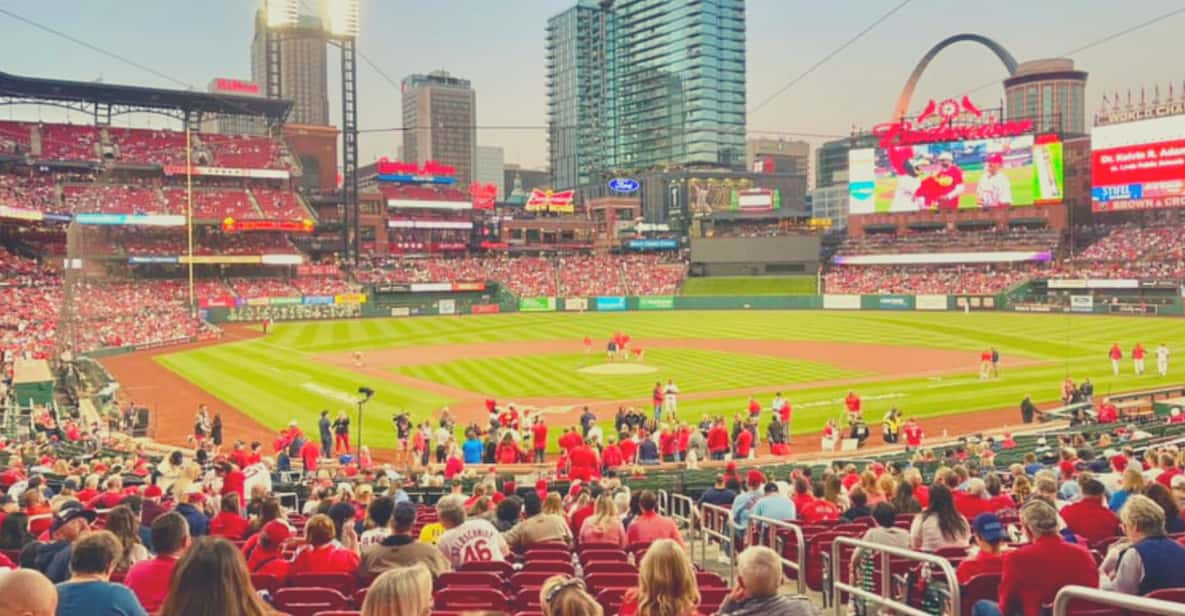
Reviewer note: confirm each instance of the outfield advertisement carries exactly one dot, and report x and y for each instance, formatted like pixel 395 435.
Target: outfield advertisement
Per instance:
pixel 485 309
pixel 536 304
pixel 957 175
pixel 1138 165
pixel 930 302
pixel 446 306
pixel 895 302
pixel 1081 303
pixel 841 302
pixel 575 304
pixel 607 304
pixel 656 302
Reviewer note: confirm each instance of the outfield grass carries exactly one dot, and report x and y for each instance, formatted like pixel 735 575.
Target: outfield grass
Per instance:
pixel 276 379
pixel 751 285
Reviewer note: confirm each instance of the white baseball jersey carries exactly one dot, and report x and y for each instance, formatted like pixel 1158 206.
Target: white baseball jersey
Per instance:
pixel 993 190
pixel 1162 354
pixel 474 541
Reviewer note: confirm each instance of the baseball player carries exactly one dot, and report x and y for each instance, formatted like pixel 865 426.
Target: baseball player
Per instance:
pixel 1138 358
pixel 1115 354
pixel 993 188
pixel 1162 360
pixel 671 400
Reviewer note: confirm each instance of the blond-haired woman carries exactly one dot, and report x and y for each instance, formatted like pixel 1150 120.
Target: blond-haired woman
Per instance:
pixel 553 505
pixel 604 526
pixel 406 591
pixel 1132 483
pixel 567 596
pixel 666 584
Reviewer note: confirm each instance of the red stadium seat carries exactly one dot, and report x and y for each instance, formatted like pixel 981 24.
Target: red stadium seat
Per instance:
pixel 611 599
pixel 710 599
pixel 339 613
pixel 587 556
pixel 344 583
pixel 469 579
pixel 601 581
pixel 983 586
pixel 550 566
pixel 527 598
pixel 308 601
pixel 602 566
pixel 502 568
pixel 523 579
pixel 707 579
pixel 471 599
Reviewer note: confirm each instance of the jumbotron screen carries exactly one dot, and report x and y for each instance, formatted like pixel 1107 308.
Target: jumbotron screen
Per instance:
pixel 1138 165
pixel 956 175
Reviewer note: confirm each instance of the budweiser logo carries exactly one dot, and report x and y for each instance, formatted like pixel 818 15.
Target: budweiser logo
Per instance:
pixel 946 113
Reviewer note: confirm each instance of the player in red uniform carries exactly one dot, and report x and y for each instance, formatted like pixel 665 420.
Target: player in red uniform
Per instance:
pixel 539 438
pixel 946 184
pixel 1138 358
pixel 852 402
pixel 587 345
pixel 754 407
pixel 913 434
pixel 1115 354
pixel 985 364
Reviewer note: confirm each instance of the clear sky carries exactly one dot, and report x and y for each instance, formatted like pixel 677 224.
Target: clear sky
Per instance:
pixel 499 45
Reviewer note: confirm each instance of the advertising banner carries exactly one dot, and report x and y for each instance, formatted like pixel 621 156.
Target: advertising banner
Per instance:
pixel 415 204
pixel 281 259
pixel 285 301
pixel 1081 303
pixel 229 172
pixel 429 224
pixel 350 298
pixel 1093 283
pixel 431 287
pixel 18 213
pixel 317 270
pixel 231 225
pixel 317 300
pixel 895 302
pixel 258 301
pixel 222 301
pixel 401 311
pixel 142 259
pixel 575 304
pixel 606 304
pixel 930 302
pixel 656 302
pixel 469 286
pixel 219 259
pixel 927 258
pixel 485 309
pixel 657 244
pixel 393 288
pixel 841 302
pixel 146 220
pixel 536 304
pixel 446 306
pixel 1138 165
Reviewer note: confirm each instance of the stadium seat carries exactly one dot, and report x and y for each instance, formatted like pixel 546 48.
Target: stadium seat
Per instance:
pixel 604 566
pixel 710 599
pixel 502 568
pixel 308 601
pixel 556 567
pixel 707 579
pixel 601 581
pixel 469 579
pixel 471 599
pixel 527 598
pixel 610 599
pixel 588 556
pixel 983 586
pixel 344 583
pixel 523 579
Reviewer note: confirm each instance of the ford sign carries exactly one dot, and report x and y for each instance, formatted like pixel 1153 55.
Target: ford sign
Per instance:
pixel 623 185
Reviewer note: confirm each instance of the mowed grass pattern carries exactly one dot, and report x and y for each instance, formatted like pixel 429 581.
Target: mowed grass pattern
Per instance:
pixel 558 375
pixel 276 378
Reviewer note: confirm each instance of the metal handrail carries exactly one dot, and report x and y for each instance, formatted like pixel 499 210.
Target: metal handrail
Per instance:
pixel 885 551
pixel 664 502
pixel 280 496
pixel 689 518
pixel 799 566
pixel 725 538
pixel 1061 602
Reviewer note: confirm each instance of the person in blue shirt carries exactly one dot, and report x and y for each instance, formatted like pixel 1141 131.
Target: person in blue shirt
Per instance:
pixel 648 451
pixel 472 448
pixel 89 591
pixel 744 504
pixel 775 506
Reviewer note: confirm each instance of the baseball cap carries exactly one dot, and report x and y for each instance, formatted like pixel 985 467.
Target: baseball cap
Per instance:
pixel 405 515
pixel 754 478
pixel 732 467
pixel 989 527
pixel 153 491
pixel 995 159
pixel 276 532
pixel 69 484
pixel 946 156
pixel 69 512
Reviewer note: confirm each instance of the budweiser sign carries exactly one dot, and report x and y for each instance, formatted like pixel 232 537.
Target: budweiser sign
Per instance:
pixel 938 123
pixel 429 168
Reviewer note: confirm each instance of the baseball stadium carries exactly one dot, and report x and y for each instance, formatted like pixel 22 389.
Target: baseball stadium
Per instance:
pixel 250 333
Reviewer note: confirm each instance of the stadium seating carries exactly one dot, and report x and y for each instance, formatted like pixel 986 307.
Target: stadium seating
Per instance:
pixel 112 199
pixel 148 147
pixel 213 203
pixel 279 204
pixel 245 152
pixel 67 142
pixel 953 279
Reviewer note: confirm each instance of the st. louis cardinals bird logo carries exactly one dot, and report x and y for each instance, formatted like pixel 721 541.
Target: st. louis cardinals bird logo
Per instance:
pixel 949 109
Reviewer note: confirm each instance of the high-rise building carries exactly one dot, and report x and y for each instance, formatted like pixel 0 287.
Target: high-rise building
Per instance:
pixel 1049 92
pixel 642 84
pixel 440 122
pixel 304 68
pixel 490 167
pixel 765 155
pixel 234 124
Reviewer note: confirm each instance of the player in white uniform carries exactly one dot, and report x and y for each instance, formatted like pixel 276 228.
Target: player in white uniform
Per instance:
pixel 671 398
pixel 905 197
pixel 1162 359
pixel 466 541
pixel 993 188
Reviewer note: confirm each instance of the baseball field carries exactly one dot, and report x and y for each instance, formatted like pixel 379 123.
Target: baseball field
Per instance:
pixel 926 364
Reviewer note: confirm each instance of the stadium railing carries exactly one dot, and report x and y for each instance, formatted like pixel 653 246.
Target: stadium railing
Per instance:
pixel 885 598
pixel 682 511
pixel 767 534
pixel 725 535
pixel 1135 603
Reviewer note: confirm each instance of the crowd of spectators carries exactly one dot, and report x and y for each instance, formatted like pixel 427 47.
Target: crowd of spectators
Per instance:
pixel 652 274
pixel 591 275
pixel 112 314
pixel 322 285
pixel 246 151
pixel 207 241
pixel 30 190
pixel 935 279
pixel 113 199
pixel 262 287
pixel 943 240
pixel 29 291
pixel 147 146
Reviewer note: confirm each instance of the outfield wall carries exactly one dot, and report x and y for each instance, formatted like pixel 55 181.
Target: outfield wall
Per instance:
pixel 429 304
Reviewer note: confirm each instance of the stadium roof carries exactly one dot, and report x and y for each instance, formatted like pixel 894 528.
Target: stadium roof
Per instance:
pixel 140 98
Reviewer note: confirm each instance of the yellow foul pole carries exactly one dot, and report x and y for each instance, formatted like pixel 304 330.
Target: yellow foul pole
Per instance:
pixel 189 210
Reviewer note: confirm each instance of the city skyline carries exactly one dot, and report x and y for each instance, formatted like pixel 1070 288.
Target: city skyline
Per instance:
pixel 504 49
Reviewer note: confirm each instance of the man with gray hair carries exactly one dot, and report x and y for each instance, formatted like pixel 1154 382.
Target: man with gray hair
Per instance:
pixel 1032 575
pixel 467 540
pixel 759 574
pixel 1148 559
pixel 27 593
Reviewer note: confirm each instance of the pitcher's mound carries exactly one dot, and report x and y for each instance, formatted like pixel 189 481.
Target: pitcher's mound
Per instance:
pixel 618 368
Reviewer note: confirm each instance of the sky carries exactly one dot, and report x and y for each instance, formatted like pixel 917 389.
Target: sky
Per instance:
pixel 499 45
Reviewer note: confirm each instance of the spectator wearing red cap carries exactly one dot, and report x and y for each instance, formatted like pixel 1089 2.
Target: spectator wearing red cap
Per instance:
pixel 1090 517
pixel 323 553
pixel 149 579
pixel 151 508
pixel 267 555
pixel 649 526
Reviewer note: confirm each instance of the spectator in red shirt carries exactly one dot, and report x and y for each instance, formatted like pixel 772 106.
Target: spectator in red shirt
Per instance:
pixel 718 441
pixel 649 526
pixel 310 452
pixel 229 522
pixel 1090 517
pixel 34 504
pixel 90 489
pixel 629 449
pixel 852 403
pixel 149 579
pixel 238 455
pixel 584 461
pixel 913 434
pixel 754 407
pixel 802 494
pixel 233 480
pixel 996 500
pixel 971 503
pixel 539 438
pixel 851 477
pixel 508 451
pixel 110 498
pixel 612 457
pixel 990 536
pixel 323 553
pixel 1031 576
pixel 267 555
pixel 1169 470
pixel 578 516
pixel 825 505
pixel 744 444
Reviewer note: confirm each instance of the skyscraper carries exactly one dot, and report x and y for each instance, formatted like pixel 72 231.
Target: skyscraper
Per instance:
pixel 440 122
pixel 638 84
pixel 304 68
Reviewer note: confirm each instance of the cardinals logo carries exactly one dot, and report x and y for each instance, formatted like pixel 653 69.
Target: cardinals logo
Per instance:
pixel 948 111
pixel 483 195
